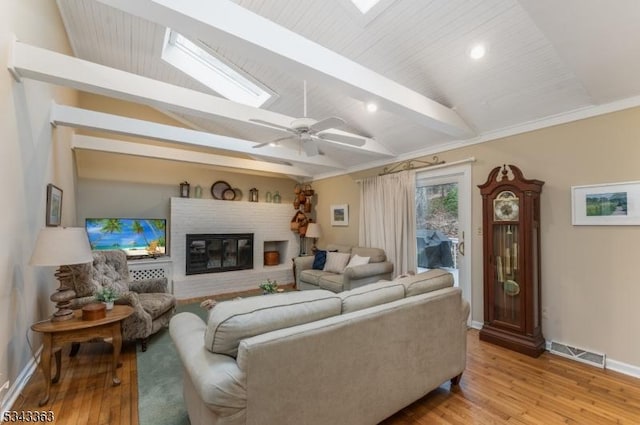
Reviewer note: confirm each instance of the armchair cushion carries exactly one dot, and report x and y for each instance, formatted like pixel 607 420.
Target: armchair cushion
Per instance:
pixel 158 284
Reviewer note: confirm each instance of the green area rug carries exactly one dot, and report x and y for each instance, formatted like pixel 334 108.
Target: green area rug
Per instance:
pixel 160 400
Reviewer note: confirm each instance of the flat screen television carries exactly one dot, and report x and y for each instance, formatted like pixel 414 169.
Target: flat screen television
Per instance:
pixel 138 237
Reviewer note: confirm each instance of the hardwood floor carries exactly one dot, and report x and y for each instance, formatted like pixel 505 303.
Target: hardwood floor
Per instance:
pixel 498 387
pixel 84 395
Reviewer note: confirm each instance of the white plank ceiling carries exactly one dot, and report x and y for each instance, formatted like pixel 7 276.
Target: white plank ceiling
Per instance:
pixel 545 58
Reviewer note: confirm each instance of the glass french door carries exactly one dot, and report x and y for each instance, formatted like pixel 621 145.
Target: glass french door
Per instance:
pixel 443 223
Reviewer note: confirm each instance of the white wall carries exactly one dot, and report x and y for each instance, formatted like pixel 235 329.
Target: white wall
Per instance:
pixel 589 279
pixel 31 155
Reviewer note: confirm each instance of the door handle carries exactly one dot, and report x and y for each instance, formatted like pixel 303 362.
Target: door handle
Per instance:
pixel 461 246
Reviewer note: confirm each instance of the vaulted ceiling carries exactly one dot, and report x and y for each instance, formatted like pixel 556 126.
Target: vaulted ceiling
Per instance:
pixel 545 60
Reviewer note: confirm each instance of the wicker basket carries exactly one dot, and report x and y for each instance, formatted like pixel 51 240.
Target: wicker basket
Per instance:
pixel 271 258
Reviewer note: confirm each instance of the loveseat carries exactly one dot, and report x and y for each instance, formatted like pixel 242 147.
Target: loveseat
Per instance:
pixel 315 357
pixel 333 277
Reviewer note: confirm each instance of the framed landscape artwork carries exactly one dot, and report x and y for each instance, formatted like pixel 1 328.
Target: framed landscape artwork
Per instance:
pixel 54 206
pixel 340 215
pixel 613 204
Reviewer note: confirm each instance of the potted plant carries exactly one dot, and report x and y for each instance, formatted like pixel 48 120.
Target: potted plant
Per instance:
pixel 107 295
pixel 269 286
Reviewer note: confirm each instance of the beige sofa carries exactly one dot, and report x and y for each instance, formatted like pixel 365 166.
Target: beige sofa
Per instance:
pixel 377 269
pixel 317 358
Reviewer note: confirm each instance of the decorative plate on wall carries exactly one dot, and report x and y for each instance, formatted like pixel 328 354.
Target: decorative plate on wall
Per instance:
pixel 229 194
pixel 218 188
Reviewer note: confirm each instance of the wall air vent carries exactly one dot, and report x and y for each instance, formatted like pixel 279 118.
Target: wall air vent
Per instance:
pixel 578 354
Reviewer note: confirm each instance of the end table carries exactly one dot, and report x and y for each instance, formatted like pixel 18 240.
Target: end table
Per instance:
pixel 77 330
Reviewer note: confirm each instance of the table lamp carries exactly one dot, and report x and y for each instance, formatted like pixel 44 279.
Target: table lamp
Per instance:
pixel 314 231
pixel 62 247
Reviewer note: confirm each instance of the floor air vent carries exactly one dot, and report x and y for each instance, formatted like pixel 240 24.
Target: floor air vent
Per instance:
pixel 588 357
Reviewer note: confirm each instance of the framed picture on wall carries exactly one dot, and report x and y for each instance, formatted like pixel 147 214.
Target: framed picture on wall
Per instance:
pixel 54 206
pixel 611 204
pixel 340 215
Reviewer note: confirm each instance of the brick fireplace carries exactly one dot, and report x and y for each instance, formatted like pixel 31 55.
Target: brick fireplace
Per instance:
pixel 268 222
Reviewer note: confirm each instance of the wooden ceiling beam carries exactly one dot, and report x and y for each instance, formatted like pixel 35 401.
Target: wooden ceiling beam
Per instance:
pixel 222 22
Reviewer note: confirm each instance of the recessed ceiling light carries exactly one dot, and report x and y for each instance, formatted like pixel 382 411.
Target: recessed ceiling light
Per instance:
pixel 478 51
pixel 372 107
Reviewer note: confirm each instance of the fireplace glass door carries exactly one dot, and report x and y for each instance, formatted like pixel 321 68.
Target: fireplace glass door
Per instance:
pixel 214 253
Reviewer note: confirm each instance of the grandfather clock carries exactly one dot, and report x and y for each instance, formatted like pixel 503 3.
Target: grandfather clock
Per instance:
pixel 511 248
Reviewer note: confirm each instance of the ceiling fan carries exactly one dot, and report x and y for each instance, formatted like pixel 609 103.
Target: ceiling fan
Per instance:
pixel 307 131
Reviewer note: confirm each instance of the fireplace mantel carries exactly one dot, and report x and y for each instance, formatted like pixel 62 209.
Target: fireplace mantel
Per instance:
pixel 269 224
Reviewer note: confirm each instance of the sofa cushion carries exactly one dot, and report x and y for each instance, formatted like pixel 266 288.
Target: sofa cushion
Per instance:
pixel 335 247
pixel 319 260
pixel 426 282
pixel 232 321
pixel 369 295
pixel 357 260
pixel 376 255
pixel 332 282
pixel 336 262
pixel 312 276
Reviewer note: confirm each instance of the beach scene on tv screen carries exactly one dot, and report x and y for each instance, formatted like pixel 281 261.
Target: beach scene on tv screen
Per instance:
pixel 137 237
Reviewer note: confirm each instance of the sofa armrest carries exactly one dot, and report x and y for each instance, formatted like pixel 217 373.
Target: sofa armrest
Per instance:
pixel 366 270
pixel 220 384
pixel 149 286
pixel 302 263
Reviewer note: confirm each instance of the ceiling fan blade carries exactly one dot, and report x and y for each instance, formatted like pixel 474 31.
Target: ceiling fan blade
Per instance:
pixel 349 140
pixel 331 122
pixel 270 124
pixel 261 145
pixel 273 142
pixel 310 148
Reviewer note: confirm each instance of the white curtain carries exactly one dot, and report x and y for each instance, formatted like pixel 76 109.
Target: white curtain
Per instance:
pixel 388 218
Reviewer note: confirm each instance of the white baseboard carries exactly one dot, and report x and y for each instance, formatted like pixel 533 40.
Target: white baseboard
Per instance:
pixel 21 381
pixel 476 325
pixel 615 365
pixel 624 368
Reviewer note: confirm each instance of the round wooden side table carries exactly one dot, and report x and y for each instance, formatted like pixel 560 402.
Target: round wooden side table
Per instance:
pixel 77 330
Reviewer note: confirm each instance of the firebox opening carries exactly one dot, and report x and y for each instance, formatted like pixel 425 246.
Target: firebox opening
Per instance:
pixel 215 253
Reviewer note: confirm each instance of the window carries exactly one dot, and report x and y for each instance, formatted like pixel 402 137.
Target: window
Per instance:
pixel 212 71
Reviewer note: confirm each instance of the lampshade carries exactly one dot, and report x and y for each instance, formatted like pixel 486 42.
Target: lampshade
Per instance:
pixel 57 246
pixel 313 231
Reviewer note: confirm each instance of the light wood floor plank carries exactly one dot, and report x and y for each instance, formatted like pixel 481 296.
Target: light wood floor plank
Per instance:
pixel 498 387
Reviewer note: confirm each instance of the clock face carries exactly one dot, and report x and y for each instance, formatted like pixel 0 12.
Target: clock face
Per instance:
pixel 506 207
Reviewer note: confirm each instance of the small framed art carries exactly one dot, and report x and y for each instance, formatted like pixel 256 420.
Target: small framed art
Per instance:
pixel 612 204
pixel 54 206
pixel 340 215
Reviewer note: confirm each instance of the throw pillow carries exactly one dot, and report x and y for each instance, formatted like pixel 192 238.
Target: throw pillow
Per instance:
pixel 319 260
pixel 336 262
pixel 357 260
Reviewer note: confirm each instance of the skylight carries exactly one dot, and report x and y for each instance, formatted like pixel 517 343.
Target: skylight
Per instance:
pixel 365 5
pixel 211 70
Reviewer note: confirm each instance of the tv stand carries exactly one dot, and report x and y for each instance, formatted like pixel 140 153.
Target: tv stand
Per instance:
pixel 151 267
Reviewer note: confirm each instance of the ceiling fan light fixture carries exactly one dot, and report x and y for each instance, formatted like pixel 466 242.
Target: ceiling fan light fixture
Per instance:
pixel 371 107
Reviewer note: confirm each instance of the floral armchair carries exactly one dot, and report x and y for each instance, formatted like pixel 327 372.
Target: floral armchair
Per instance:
pixel 153 305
